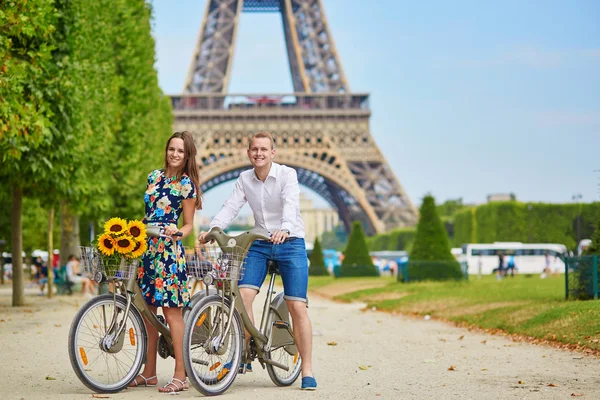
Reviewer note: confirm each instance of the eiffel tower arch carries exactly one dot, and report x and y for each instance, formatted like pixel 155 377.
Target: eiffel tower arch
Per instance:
pixel 321 130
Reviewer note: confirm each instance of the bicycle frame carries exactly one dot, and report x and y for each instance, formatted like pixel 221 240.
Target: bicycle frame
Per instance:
pixel 230 288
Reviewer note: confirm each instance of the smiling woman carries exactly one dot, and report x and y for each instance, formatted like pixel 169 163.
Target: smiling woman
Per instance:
pixel 163 275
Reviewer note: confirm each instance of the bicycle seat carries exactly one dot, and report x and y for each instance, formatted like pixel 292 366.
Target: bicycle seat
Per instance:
pixel 272 267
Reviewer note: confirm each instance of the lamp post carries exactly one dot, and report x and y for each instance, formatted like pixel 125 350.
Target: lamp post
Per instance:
pixel 2 244
pixel 576 197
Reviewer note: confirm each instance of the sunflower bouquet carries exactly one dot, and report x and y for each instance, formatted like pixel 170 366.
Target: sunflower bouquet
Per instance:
pixel 120 245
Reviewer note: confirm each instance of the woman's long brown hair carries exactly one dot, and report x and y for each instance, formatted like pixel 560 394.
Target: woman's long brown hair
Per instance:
pixel 189 166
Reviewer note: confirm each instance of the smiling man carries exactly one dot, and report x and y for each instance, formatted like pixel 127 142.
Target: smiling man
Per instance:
pixel 273 193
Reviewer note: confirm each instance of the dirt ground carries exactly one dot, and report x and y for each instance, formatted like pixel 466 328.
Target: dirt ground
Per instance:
pixel 357 355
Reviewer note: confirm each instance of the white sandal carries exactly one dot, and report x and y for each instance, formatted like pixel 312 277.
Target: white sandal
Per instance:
pixel 177 389
pixel 146 384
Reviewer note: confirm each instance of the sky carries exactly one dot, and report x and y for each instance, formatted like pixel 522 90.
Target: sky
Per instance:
pixel 468 98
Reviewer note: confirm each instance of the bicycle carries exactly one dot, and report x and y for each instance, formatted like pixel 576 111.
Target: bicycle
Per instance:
pixel 108 338
pixel 214 342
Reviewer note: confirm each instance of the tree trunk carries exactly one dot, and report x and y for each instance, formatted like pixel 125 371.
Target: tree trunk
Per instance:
pixel 69 233
pixel 50 252
pixel 18 292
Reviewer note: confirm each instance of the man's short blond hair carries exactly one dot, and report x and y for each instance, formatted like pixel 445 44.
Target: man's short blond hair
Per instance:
pixel 262 134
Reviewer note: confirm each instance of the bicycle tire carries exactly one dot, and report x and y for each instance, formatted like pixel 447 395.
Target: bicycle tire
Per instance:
pixel 284 354
pixel 214 378
pixel 79 356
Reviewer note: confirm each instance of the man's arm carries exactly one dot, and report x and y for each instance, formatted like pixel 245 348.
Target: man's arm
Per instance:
pixel 290 197
pixel 231 207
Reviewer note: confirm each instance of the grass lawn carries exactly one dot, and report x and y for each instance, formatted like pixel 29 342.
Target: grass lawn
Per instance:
pixel 522 305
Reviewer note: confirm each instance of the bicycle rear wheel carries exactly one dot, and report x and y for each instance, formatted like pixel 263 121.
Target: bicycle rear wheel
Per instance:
pixel 283 346
pixel 212 367
pixel 100 370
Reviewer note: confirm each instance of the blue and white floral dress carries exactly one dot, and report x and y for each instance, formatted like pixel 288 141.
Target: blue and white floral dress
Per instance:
pixel 163 274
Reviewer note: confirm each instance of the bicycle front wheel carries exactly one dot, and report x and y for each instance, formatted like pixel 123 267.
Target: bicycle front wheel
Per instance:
pixel 283 346
pixel 211 355
pixel 101 370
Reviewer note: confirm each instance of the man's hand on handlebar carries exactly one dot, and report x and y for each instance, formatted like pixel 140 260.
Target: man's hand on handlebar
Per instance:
pixel 279 237
pixel 202 238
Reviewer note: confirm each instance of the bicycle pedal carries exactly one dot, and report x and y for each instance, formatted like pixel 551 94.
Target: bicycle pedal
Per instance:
pixel 281 325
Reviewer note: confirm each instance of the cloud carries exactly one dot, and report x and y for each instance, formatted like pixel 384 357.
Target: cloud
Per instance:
pixel 532 57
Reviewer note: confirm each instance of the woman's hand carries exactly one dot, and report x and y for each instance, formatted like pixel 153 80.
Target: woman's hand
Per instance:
pixel 171 230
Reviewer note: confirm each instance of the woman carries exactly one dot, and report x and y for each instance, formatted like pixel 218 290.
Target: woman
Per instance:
pixel 163 275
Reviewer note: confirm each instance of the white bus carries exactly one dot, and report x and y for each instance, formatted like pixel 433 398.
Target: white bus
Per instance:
pixel 529 258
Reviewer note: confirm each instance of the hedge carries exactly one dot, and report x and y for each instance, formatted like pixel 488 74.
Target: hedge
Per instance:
pixel 347 271
pixel 434 270
pixel 525 222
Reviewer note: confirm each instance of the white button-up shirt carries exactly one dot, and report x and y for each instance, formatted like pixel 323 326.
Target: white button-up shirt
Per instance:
pixel 275 202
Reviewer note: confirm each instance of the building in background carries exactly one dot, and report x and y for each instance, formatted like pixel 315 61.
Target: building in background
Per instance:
pixel 316 220
pixel 501 197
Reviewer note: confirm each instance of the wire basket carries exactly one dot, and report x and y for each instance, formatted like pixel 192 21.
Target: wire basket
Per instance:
pixel 228 263
pixel 92 262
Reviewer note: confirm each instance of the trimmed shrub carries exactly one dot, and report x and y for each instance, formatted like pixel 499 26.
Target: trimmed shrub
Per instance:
pixel 431 241
pixel 317 262
pixel 348 271
pixel 357 261
pixel 434 270
pixel 430 257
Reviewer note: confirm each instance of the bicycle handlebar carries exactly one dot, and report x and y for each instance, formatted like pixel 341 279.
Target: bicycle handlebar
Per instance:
pixel 159 231
pixel 243 240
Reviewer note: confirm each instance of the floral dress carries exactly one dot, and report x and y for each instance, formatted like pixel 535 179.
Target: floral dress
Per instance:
pixel 163 274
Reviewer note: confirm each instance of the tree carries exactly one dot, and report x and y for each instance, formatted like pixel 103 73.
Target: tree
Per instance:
pixel 357 261
pixel 431 241
pixel 335 239
pixel 317 262
pixel 26 44
pixel 430 257
pixel 594 247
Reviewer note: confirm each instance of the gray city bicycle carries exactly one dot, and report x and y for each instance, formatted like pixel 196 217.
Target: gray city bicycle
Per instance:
pixel 214 344
pixel 108 339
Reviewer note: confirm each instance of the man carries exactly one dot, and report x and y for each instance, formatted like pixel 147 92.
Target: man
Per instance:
pixel 273 193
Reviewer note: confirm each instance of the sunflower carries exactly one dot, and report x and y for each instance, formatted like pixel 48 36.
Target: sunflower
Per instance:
pixel 139 249
pixel 106 244
pixel 115 226
pixel 124 244
pixel 136 230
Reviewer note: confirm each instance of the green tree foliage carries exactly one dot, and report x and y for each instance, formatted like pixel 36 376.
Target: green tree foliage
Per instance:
pixel 398 239
pixel 357 261
pixel 82 119
pixel 431 240
pixel 594 247
pixel 145 118
pixel 317 262
pixel 430 257
pixel 335 239
pixel 450 207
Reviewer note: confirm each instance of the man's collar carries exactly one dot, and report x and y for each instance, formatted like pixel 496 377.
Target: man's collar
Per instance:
pixel 272 171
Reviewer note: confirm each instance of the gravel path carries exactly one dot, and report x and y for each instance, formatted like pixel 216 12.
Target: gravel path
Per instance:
pixel 377 355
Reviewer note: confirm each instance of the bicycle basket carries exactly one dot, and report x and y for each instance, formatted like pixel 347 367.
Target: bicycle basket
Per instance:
pixel 114 268
pixel 228 263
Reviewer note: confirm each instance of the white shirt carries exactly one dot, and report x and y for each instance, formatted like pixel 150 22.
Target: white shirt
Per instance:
pixel 275 202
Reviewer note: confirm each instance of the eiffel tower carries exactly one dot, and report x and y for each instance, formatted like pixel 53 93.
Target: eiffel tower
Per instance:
pixel 321 130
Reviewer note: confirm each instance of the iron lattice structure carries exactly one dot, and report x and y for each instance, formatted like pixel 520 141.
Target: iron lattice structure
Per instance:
pixel 322 129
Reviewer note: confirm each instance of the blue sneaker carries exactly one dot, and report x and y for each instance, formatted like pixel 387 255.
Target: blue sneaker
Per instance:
pixel 309 383
pixel 245 368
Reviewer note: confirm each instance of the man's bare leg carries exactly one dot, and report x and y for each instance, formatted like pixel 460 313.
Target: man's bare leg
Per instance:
pixel 248 296
pixel 302 334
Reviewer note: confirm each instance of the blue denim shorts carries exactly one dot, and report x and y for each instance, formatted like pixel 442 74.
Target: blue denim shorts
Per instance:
pixel 293 267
